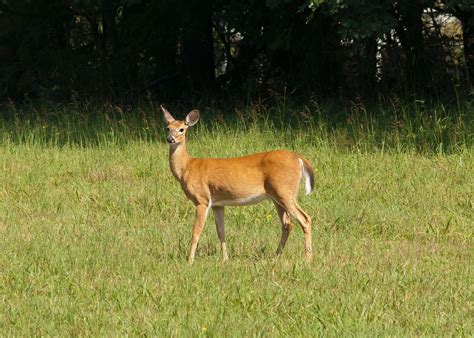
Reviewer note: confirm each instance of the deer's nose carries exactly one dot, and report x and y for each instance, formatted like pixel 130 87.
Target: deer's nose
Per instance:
pixel 170 139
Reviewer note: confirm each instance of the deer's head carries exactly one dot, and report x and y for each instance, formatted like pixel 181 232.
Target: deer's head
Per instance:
pixel 176 128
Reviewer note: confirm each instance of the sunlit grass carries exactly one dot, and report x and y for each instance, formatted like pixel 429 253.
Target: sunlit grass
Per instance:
pixel 94 232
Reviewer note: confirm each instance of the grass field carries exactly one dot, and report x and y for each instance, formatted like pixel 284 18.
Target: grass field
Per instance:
pixel 94 231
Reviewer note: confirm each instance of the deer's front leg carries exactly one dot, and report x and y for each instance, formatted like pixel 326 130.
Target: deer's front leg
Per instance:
pixel 219 216
pixel 200 219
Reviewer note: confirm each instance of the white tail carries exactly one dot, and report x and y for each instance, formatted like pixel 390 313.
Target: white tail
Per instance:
pixel 308 175
pixel 216 183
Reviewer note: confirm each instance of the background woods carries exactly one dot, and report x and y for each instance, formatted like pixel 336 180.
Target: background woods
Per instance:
pixel 59 49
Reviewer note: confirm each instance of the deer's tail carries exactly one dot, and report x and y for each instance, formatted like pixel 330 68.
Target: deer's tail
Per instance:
pixel 308 174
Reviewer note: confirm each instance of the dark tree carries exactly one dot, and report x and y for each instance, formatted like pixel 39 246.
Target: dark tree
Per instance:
pixel 121 49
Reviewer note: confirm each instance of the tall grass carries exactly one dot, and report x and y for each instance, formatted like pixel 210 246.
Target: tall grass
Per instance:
pixel 388 126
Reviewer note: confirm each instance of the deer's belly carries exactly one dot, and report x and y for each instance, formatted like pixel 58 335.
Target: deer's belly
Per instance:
pixel 241 201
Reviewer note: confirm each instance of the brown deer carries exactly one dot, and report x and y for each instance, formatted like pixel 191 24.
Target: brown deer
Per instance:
pixel 215 183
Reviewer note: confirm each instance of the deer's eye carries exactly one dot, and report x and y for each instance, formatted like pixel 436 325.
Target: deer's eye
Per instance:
pixel 168 129
pixel 181 130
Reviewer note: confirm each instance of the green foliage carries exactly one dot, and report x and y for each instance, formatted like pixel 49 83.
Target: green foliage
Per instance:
pixel 110 49
pixel 360 20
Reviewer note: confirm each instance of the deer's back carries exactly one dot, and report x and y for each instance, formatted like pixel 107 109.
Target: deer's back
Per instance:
pixel 245 179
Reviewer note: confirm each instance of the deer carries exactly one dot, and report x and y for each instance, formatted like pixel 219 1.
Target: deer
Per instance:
pixel 214 183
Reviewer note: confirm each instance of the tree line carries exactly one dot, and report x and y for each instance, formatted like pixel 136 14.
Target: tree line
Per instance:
pixel 61 49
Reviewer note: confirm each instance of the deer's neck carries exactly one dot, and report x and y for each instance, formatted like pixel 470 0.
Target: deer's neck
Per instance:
pixel 179 159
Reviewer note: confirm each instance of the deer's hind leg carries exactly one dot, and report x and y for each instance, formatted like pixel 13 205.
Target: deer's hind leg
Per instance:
pixel 286 227
pixel 293 209
pixel 284 194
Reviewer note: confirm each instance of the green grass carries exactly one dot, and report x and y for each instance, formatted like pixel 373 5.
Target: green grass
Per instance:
pixel 94 230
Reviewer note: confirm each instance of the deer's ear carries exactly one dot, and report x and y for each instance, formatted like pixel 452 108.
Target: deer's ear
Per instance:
pixel 166 115
pixel 192 117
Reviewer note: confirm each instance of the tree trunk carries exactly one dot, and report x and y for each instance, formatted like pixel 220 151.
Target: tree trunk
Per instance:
pixel 198 46
pixel 410 32
pixel 370 71
pixel 467 21
pixel 108 19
